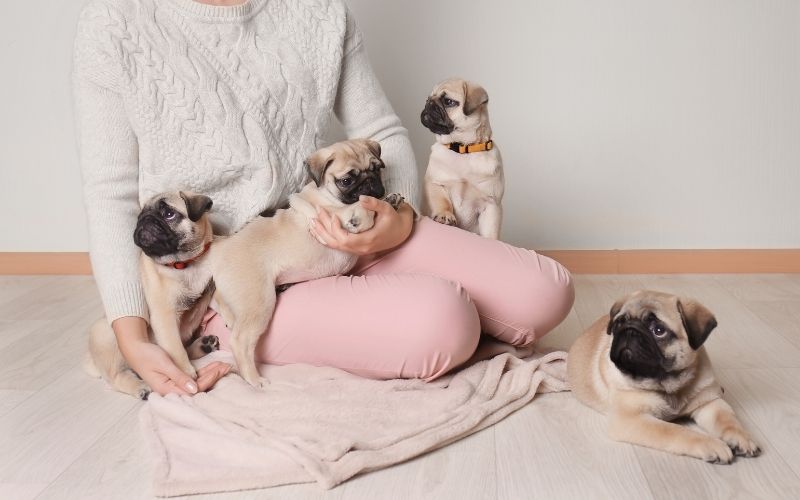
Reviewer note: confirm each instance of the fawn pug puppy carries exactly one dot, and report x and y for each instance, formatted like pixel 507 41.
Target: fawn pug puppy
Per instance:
pixel 464 182
pixel 174 234
pixel 277 250
pixel 644 365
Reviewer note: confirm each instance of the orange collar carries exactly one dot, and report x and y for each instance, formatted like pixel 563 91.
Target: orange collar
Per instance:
pixel 471 148
pixel 183 264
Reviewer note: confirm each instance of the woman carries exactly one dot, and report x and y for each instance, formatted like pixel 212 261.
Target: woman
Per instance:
pixel 227 97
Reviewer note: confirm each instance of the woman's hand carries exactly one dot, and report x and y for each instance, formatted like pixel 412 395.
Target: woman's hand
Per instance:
pixel 155 366
pixel 392 227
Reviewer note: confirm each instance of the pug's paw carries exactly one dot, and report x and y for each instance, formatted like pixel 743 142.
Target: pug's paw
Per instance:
pixel 740 442
pixel 202 346
pixel 446 218
pixel 357 219
pixel 395 200
pixel 713 451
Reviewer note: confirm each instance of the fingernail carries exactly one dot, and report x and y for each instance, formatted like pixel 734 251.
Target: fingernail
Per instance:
pixel 363 197
pixel 191 387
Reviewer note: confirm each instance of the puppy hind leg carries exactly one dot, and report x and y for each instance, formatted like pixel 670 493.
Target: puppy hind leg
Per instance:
pixel 105 360
pixel 253 313
pixel 718 419
pixel 202 346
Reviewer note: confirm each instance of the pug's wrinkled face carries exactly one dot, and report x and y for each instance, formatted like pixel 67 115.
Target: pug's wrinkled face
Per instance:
pixel 173 226
pixel 455 106
pixel 349 169
pixel 656 335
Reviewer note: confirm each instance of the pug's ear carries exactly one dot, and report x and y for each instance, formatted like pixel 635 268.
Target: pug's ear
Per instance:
pixel 318 163
pixel 615 309
pixel 698 321
pixel 196 205
pixel 474 97
pixel 374 147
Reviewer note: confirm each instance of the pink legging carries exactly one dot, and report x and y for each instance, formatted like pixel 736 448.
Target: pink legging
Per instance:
pixel 418 311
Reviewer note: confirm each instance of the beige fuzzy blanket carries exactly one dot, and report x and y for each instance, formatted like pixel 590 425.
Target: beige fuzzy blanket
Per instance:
pixel 324 425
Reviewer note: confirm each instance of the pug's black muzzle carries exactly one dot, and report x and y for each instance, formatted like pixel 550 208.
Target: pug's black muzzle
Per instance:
pixel 434 118
pixel 635 351
pixel 371 185
pixel 154 236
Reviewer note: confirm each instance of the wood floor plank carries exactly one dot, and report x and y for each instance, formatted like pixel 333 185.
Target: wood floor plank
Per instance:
pixel 10 399
pixel 116 462
pixel 742 339
pixel 770 397
pixel 20 491
pixel 783 316
pixel 44 434
pixel 761 286
pixel 12 331
pixel 557 448
pixel 40 357
pixel 52 299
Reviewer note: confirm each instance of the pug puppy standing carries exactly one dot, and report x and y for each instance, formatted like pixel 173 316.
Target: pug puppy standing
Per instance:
pixel 644 365
pixel 278 250
pixel 174 234
pixel 464 182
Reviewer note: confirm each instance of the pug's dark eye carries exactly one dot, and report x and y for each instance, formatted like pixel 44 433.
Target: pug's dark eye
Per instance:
pixel 449 103
pixel 657 329
pixel 169 214
pixel 346 181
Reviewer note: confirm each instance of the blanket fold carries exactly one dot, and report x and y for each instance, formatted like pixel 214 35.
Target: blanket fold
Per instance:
pixel 323 425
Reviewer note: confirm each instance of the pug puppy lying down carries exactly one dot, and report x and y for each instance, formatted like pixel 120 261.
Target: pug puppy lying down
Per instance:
pixel 644 365
pixel 175 235
pixel 278 250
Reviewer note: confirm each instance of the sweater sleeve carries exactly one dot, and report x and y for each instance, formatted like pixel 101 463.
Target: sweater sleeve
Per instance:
pixel 364 111
pixel 108 155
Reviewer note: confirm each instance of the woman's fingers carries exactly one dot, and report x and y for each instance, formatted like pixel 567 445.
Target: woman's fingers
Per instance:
pixel 210 374
pixel 180 379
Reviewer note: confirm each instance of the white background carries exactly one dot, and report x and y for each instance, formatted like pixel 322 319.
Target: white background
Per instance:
pixel 623 124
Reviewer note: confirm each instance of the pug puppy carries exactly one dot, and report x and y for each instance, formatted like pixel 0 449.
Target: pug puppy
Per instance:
pixel 464 182
pixel 174 233
pixel 273 251
pixel 644 365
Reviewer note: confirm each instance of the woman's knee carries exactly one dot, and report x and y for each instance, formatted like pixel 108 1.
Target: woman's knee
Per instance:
pixel 544 297
pixel 445 328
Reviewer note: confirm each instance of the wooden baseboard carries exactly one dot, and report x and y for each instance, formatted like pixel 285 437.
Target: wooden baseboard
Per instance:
pixel 678 261
pixel 45 263
pixel 577 261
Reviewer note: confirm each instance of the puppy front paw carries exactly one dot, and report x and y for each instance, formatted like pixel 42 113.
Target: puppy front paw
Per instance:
pixel 713 451
pixel 740 443
pixel 395 200
pixel 446 218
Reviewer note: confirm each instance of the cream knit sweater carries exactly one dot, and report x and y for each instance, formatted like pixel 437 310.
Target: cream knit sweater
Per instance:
pixel 225 101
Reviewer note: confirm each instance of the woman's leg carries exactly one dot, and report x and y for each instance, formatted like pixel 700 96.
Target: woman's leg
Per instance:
pixel 378 326
pixel 519 294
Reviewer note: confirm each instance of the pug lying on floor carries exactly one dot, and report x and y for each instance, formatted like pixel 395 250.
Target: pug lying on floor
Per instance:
pixel 175 235
pixel 277 250
pixel 464 182
pixel 644 365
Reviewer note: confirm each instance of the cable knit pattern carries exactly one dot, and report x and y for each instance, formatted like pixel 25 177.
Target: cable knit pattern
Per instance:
pixel 226 101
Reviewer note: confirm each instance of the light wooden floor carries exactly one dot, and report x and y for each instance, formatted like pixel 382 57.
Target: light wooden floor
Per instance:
pixel 63 435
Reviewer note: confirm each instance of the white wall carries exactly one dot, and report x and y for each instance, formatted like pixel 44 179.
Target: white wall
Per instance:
pixel 623 124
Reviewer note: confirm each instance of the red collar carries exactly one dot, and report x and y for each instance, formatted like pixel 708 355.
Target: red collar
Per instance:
pixel 183 264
